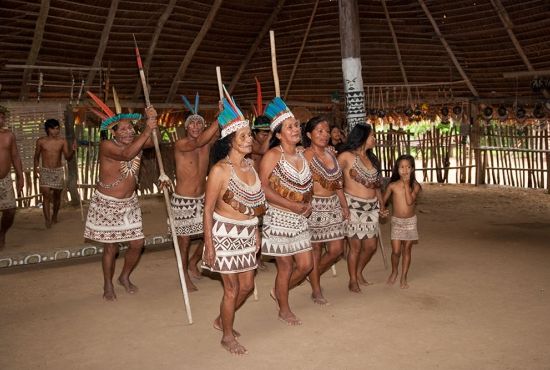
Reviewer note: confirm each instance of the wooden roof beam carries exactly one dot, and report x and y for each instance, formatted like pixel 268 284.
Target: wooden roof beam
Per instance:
pixel 301 49
pixel 35 47
pixel 151 51
pixel 192 49
pixel 448 49
pixel 102 43
pixel 397 51
pixel 255 45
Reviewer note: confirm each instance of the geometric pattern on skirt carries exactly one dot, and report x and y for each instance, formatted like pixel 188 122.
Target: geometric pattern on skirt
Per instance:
pixel 113 220
pixel 52 177
pixel 363 222
pixel 326 222
pixel 234 244
pixel 284 233
pixel 188 212
pixel 404 228
pixel 7 195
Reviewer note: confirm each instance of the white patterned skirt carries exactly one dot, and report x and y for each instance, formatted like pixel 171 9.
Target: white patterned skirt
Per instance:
pixel 326 222
pixel 188 212
pixel 363 223
pixel 7 195
pixel 404 228
pixel 284 233
pixel 112 220
pixel 52 177
pixel 235 245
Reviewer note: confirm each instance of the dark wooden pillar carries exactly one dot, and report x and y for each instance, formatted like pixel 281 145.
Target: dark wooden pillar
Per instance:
pixel 350 41
pixel 72 176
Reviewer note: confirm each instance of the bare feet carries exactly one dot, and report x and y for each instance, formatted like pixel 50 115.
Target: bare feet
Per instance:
pixel 127 284
pixel 274 297
pixel 109 293
pixel 233 347
pixel 290 319
pixel 404 284
pixel 354 287
pixel 319 299
pixel 217 324
pixel 190 286
pixel 195 273
pixel 391 279
pixel 48 224
pixel 363 281
pixel 262 266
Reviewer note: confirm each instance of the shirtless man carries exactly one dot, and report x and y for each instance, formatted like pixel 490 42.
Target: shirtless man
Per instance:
pixel 114 215
pixel 192 155
pixel 9 155
pixel 50 148
pixel 261 135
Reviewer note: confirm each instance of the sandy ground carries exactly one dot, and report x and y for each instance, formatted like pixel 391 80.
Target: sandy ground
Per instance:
pixel 479 299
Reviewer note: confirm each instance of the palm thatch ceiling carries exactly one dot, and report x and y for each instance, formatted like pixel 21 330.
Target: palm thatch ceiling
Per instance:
pixel 181 42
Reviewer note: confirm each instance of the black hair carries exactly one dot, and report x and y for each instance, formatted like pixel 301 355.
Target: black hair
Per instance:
pixel 221 148
pixel 395 170
pixel 356 138
pixel 275 141
pixel 262 120
pixel 50 123
pixel 309 127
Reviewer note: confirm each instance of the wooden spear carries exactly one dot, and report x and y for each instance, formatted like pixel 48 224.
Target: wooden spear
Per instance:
pixel 274 63
pixel 165 190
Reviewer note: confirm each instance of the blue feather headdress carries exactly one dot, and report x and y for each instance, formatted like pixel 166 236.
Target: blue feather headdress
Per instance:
pixel 193 109
pixel 277 111
pixel 108 118
pixel 231 118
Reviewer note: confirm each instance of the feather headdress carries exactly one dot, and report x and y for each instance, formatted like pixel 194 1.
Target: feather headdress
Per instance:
pixel 108 118
pixel 277 111
pixel 193 109
pixel 261 122
pixel 231 118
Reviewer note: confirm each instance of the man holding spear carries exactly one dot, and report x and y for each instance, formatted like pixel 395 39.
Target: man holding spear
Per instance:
pixel 114 215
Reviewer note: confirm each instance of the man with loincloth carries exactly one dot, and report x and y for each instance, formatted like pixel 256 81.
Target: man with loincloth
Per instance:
pixel 9 155
pixel 191 155
pixel 114 215
pixel 50 148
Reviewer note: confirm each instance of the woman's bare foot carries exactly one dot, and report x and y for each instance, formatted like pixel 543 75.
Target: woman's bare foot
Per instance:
pixel 127 284
pixel 391 279
pixel 354 287
pixel 289 318
pixel 233 347
pixel 319 299
pixel 404 284
pixel 190 286
pixel 195 273
pixel 217 324
pixel 109 293
pixel 363 281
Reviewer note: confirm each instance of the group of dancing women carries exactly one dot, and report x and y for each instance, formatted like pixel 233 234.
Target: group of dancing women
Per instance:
pixel 278 173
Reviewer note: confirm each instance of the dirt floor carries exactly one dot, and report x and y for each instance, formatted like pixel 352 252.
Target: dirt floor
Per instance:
pixel 477 300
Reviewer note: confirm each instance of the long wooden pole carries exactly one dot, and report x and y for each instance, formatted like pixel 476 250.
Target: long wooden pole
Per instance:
pixel 274 63
pixel 165 191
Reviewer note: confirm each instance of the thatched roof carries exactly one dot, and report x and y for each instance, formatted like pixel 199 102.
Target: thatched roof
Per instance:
pixel 76 34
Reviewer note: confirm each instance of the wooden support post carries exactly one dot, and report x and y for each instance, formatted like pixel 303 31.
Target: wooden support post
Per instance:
pixel 350 40
pixel 304 40
pixel 35 47
pixel 254 48
pixel 154 40
pixel 102 42
pixel 448 49
pixel 192 49
pixel 72 174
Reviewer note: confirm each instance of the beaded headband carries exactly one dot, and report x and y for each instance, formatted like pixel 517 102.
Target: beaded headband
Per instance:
pixel 277 111
pixel 108 118
pixel 231 118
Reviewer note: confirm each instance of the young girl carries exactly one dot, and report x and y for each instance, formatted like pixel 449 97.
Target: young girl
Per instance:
pixel 403 190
